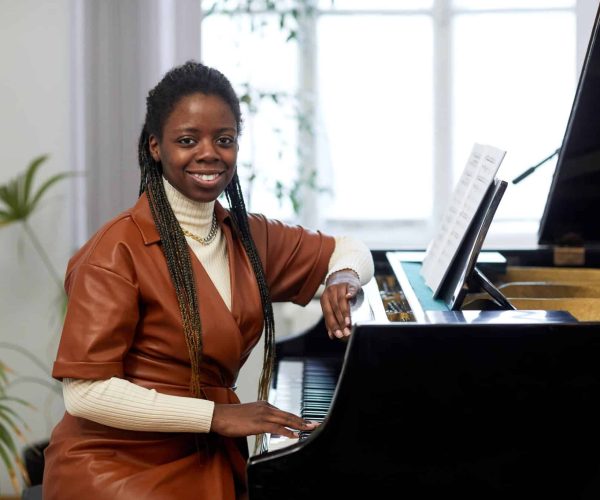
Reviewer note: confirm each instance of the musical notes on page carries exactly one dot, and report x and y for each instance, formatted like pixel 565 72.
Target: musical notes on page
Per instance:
pixel 478 175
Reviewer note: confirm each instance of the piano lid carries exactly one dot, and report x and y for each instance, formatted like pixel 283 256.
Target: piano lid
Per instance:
pixel 570 214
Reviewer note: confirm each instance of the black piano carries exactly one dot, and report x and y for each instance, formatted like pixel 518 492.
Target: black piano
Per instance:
pixel 490 390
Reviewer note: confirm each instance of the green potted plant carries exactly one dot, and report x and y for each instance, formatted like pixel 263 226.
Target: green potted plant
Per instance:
pixel 10 425
pixel 18 201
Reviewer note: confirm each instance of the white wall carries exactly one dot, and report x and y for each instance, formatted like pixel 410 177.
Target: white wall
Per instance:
pixel 34 99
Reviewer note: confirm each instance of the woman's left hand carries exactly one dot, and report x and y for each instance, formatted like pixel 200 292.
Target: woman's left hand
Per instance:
pixel 341 287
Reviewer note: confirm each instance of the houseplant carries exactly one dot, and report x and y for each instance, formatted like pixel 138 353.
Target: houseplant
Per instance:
pixel 18 201
pixel 10 425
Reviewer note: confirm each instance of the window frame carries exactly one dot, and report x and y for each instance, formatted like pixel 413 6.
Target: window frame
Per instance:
pixel 406 233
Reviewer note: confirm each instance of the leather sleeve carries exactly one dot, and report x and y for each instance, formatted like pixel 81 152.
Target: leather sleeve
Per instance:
pixel 102 314
pixel 295 259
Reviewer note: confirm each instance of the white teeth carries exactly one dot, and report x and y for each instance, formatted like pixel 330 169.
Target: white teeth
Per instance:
pixel 207 177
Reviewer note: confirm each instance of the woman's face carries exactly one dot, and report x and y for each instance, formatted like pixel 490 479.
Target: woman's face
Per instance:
pixel 198 149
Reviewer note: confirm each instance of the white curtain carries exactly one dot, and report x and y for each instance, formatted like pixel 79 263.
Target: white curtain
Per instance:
pixel 120 49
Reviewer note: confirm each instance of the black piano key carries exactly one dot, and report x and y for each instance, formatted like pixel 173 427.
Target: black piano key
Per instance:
pixel 319 383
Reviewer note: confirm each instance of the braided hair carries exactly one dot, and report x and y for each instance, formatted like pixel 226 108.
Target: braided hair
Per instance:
pixel 190 78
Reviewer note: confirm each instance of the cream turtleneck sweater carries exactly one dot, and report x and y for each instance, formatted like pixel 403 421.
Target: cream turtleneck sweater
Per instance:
pixel 196 217
pixel 119 403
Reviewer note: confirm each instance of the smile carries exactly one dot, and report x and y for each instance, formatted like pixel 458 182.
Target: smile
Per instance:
pixel 206 177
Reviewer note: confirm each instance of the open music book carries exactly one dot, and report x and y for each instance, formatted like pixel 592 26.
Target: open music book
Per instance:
pixel 475 182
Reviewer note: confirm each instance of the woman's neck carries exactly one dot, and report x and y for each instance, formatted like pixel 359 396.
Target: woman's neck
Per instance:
pixel 190 214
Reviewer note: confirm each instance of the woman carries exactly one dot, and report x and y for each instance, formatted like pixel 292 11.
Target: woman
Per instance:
pixel 166 302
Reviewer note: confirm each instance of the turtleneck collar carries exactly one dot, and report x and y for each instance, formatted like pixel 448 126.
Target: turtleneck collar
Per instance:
pixel 189 213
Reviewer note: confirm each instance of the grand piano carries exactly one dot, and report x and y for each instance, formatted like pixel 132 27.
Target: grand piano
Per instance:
pixel 489 390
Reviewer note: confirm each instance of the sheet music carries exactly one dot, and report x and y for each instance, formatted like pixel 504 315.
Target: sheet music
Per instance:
pixel 478 175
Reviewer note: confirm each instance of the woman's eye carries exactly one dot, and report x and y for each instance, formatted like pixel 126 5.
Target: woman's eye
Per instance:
pixel 186 141
pixel 225 141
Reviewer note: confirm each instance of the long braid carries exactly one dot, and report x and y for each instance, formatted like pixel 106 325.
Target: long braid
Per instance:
pixel 177 256
pixel 240 219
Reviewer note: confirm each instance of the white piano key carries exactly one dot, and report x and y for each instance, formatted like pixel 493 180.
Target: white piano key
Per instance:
pixel 287 396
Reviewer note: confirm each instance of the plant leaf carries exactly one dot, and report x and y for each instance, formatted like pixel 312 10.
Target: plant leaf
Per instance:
pixel 9 463
pixel 4 217
pixel 9 194
pixel 8 441
pixel 6 459
pixel 16 194
pixel 30 174
pixel 43 188
pixel 6 410
pixel 15 400
pixel 11 424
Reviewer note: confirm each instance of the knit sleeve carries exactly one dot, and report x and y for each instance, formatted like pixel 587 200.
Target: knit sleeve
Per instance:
pixel 116 402
pixel 353 254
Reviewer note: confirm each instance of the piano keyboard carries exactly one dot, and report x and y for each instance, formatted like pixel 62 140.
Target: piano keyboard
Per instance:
pixel 305 388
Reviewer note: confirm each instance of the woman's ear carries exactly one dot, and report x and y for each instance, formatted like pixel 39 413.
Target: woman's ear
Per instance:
pixel 154 148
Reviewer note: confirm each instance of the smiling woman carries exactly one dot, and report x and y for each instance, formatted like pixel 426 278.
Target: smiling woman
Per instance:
pixel 199 162
pixel 167 301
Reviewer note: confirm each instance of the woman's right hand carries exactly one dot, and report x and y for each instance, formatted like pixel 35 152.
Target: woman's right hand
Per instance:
pixel 249 419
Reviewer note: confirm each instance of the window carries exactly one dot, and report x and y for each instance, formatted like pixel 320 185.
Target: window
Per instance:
pixel 384 100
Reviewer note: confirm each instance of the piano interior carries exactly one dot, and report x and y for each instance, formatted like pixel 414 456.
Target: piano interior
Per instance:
pixel 544 288
pixel 575 290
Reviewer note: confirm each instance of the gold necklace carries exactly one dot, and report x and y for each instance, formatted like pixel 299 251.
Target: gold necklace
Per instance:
pixel 207 240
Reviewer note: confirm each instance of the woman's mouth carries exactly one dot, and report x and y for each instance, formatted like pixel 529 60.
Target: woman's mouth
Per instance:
pixel 206 177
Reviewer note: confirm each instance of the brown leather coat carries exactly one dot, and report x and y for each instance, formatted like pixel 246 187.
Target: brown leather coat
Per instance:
pixel 123 321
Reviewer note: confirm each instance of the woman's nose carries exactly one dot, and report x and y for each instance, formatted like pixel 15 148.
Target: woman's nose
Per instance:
pixel 206 151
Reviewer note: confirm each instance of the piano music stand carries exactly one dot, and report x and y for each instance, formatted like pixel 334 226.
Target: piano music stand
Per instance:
pixel 462 273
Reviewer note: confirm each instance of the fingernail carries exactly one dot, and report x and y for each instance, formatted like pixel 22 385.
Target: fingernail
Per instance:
pixel 339 334
pixel 346 332
pixel 348 321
